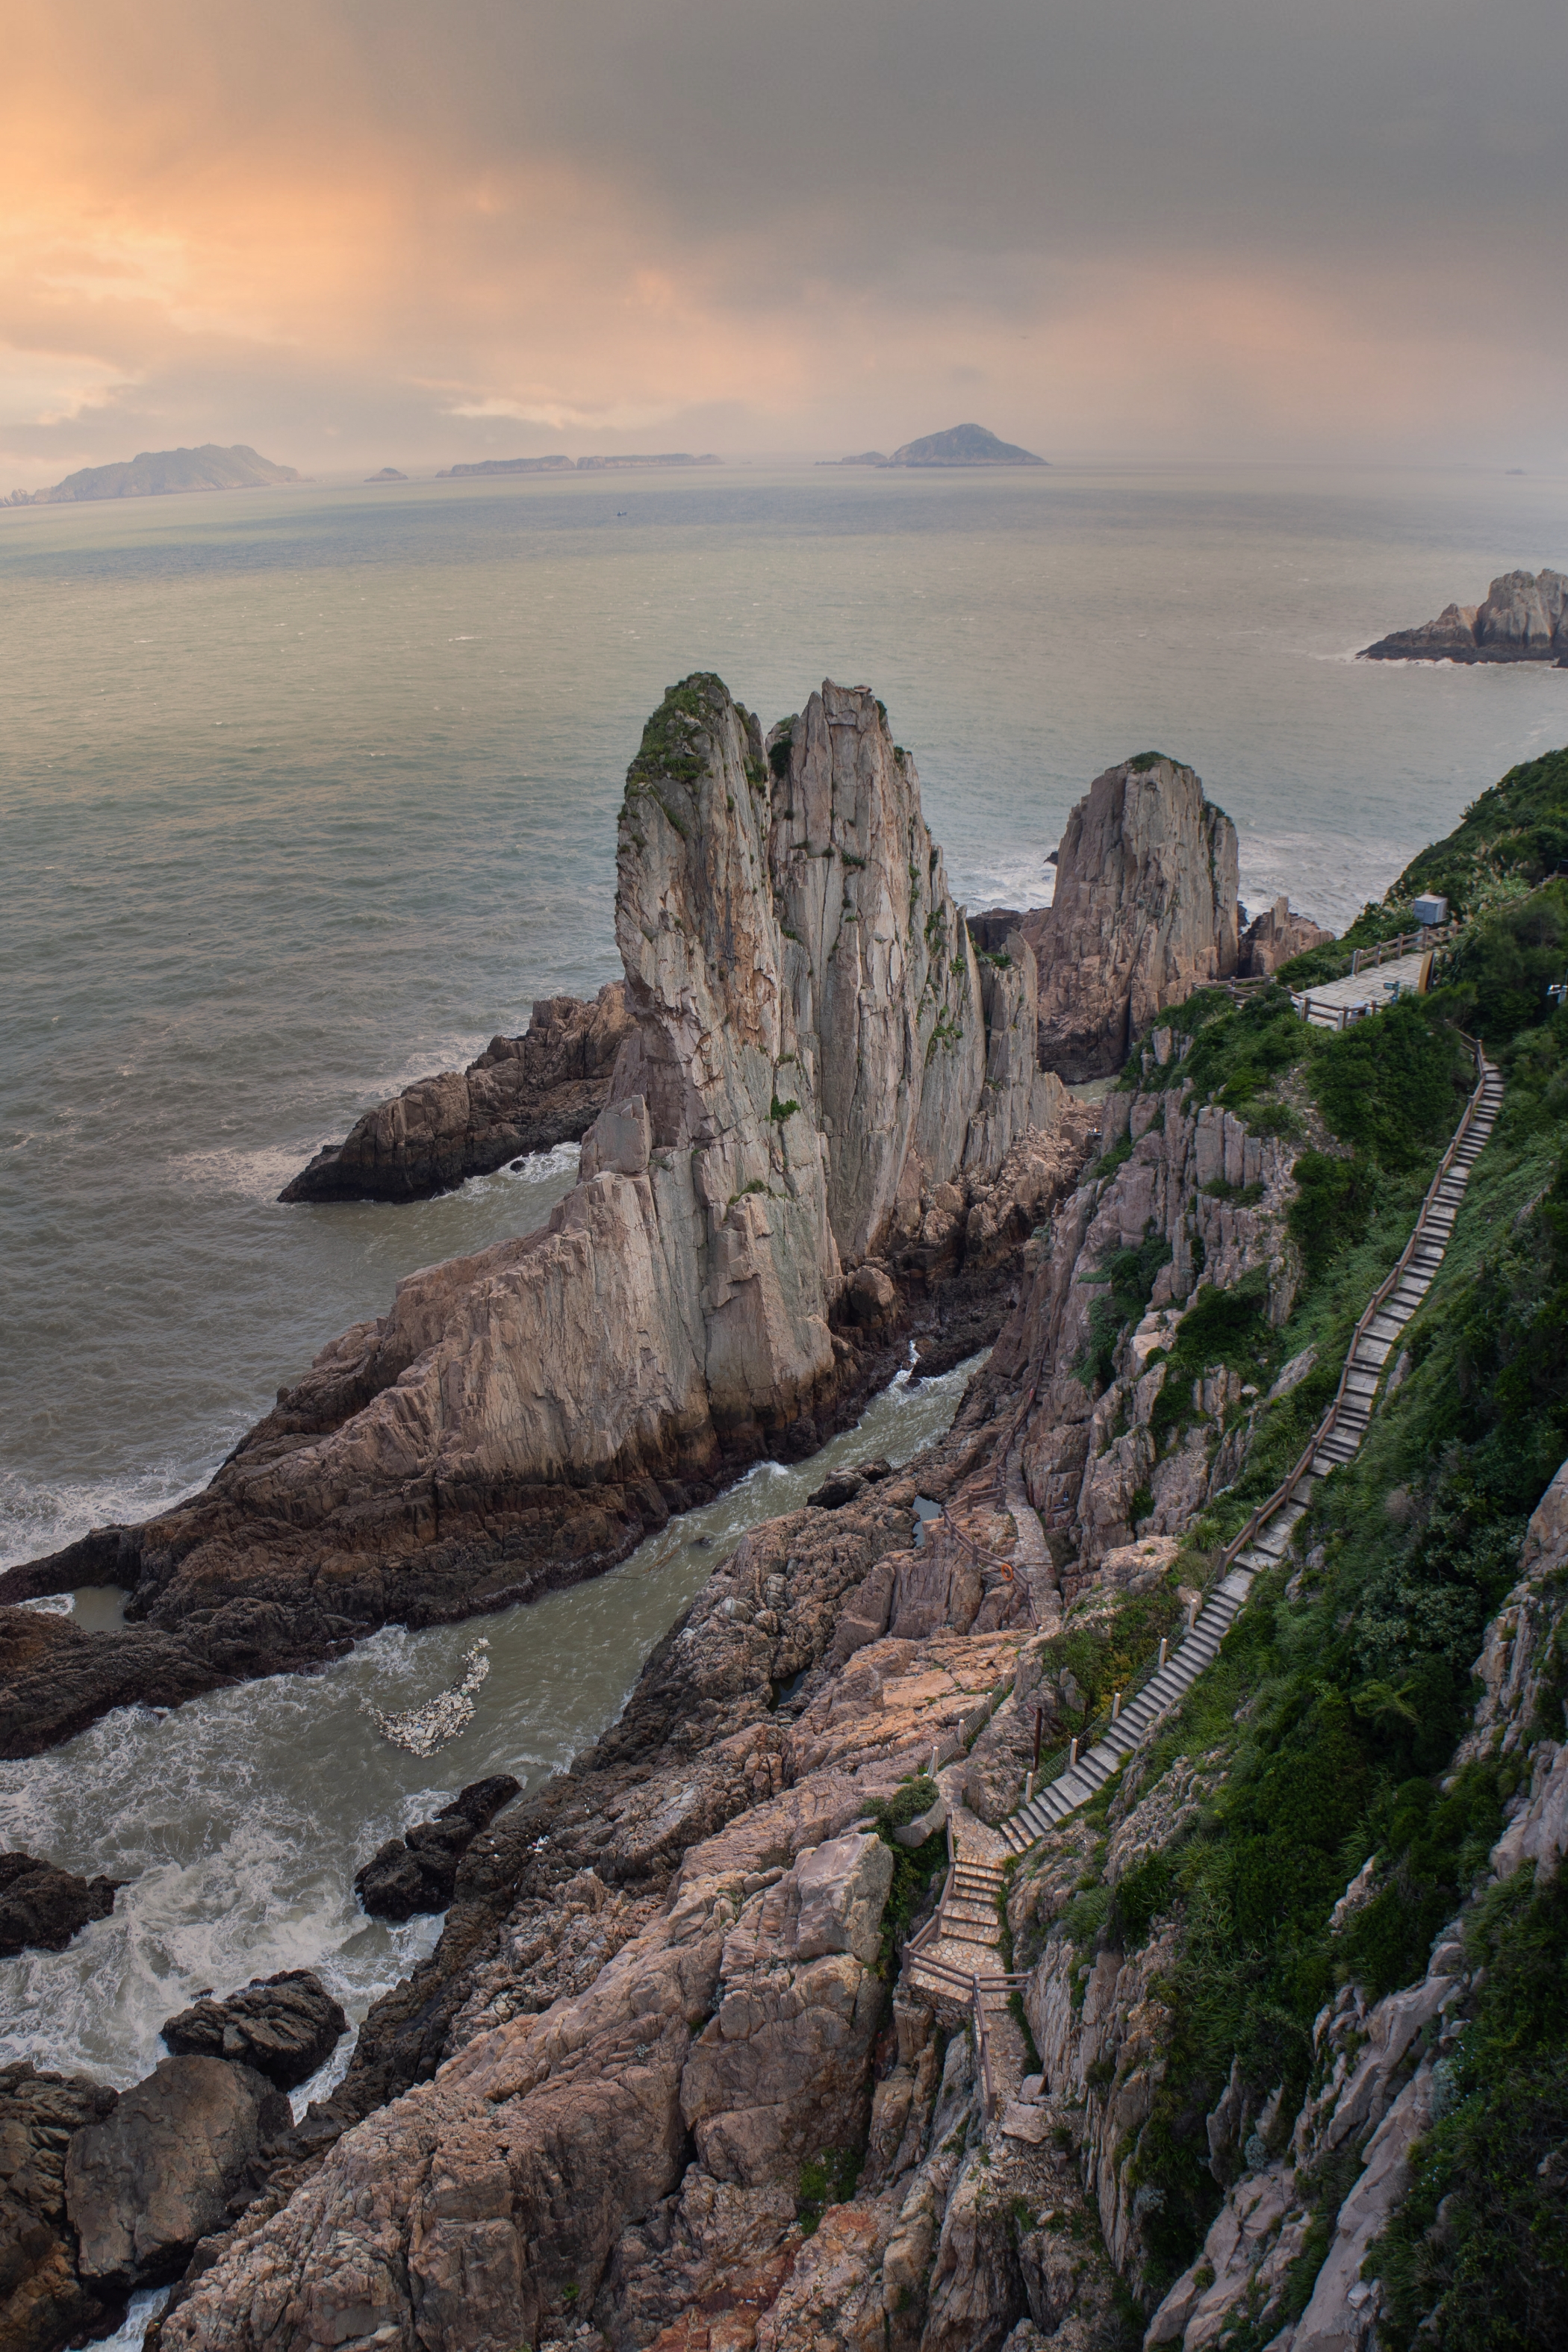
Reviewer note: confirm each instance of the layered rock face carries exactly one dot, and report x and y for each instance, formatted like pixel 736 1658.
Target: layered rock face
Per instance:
pixel 1144 912
pixel 809 1079
pixel 1276 935
pixel 524 1093
pixel 1525 617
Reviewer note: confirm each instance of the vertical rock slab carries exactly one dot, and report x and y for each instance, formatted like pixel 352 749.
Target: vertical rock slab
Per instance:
pixel 1144 912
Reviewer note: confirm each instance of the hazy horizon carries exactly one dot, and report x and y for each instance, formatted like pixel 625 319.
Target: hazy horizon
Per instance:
pixel 366 235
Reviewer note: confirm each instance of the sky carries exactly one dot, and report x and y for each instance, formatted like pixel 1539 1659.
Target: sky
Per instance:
pixel 355 232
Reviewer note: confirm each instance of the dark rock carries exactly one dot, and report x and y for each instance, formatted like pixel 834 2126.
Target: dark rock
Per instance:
pixel 43 2300
pixel 285 2026
pixel 873 1471
pixel 163 2169
pixel 41 1908
pixel 524 1093
pixel 418 1871
pixel 1525 617
pixel 835 1492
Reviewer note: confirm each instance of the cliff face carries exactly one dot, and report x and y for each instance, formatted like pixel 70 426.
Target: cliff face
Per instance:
pixel 1144 912
pixel 1525 617
pixel 806 1079
pixel 524 1093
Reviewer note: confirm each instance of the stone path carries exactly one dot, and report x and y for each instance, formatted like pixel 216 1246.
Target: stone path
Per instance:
pixel 1339 1436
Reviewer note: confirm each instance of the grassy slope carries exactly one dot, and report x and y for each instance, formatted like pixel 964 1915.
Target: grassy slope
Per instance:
pixel 1338 1700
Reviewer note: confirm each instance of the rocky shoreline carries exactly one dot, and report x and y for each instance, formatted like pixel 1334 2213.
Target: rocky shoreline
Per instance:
pixel 1522 618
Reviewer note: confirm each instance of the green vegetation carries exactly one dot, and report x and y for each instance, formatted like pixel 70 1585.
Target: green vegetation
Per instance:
pixel 826 2180
pixel 1328 1725
pixel 1128 1279
pixel 913 1868
pixel 779 1111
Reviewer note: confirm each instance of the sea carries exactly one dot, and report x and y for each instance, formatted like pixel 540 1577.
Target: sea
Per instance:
pixel 308 792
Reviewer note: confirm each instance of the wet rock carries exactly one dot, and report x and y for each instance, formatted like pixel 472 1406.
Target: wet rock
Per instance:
pixel 418 1871
pixel 523 1094
pixel 142 2186
pixel 42 1908
pixel 43 2302
pixel 835 1492
pixel 285 2026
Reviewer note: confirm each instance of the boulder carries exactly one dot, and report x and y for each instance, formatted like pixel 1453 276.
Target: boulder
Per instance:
pixel 42 1908
pixel 284 2026
pixel 524 1093
pixel 43 2302
pixel 159 2173
pixel 1144 912
pixel 418 1872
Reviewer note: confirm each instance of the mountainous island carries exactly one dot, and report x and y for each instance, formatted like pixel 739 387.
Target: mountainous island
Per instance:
pixel 1096 1884
pixel 158 472
pixel 569 465
pixel 960 444
pixel 1523 618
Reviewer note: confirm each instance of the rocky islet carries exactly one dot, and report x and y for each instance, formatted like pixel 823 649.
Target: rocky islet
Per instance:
pixel 1523 617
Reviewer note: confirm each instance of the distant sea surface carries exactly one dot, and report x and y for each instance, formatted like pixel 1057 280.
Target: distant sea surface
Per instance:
pixel 308 792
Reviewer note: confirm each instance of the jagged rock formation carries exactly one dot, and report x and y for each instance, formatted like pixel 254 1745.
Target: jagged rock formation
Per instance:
pixel 1197 1188
pixel 1276 935
pixel 418 1871
pixel 1525 617
pixel 809 1088
pixel 42 1908
pixel 43 2302
pixel 1144 912
pixel 283 2026
pixel 524 1093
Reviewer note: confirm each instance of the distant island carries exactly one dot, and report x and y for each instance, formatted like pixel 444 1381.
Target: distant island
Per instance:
pixel 1524 618
pixel 571 465
pixel 960 444
pixel 157 472
pixel 387 473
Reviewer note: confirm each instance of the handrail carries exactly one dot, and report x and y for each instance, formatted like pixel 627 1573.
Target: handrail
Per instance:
pixel 1283 1492
pixel 1292 1479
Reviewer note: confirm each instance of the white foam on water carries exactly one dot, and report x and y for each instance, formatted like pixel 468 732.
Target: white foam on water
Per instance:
pixel 237 1822
pixel 38 1517
pixel 140 2313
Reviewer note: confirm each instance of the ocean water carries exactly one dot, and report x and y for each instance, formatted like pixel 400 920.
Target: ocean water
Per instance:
pixel 236 1822
pixel 307 792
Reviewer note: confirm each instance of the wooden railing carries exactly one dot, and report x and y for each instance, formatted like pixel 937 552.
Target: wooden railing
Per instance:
pixel 1424 934
pixel 1283 1492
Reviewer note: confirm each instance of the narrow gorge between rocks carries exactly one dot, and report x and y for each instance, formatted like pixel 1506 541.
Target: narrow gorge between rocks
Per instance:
pixel 667 2075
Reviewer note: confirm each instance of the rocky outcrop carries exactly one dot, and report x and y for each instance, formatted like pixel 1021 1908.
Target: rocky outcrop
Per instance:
pixel 524 1093
pixel 158 2173
pixel 284 2026
pixel 621 2102
pixel 809 1084
pixel 1276 935
pixel 1198 1189
pixel 418 1871
pixel 1144 912
pixel 41 1907
pixel 1525 617
pixel 43 2301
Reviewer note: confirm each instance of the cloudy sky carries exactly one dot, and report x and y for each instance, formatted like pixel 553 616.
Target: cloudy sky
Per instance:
pixel 359 232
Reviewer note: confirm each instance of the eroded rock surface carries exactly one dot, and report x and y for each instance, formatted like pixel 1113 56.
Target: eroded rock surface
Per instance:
pixel 44 2300
pixel 42 1908
pixel 418 1871
pixel 809 1114
pixel 1144 912
pixel 283 2026
pixel 1275 936
pixel 1523 617
pixel 523 1094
